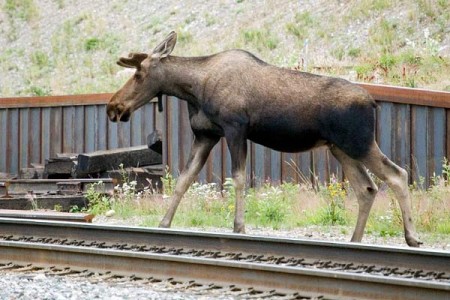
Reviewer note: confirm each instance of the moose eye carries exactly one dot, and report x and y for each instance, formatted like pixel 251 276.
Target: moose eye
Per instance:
pixel 137 76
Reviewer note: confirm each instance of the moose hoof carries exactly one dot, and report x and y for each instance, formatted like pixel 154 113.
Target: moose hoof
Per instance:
pixel 164 224
pixel 413 241
pixel 239 229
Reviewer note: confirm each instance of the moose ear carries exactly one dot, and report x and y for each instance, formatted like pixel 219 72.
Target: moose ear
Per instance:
pixel 133 60
pixel 166 46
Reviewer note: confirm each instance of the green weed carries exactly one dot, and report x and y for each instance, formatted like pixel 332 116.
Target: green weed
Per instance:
pixel 98 202
pixel 260 38
pixel 354 52
pixel 22 9
pixel 334 212
pixel 40 59
pixel 301 25
pixel 184 36
pixel 364 72
pixel 210 20
pixel 168 182
pixel 365 8
pixel 38 91
pixel 383 35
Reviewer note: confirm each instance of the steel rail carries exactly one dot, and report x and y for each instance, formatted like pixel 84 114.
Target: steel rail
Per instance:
pixel 264 277
pixel 419 259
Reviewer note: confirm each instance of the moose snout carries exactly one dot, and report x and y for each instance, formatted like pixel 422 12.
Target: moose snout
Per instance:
pixel 117 112
pixel 111 112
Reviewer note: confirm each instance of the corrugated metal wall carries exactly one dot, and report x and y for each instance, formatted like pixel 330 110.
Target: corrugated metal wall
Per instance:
pixel 33 134
pixel 413 128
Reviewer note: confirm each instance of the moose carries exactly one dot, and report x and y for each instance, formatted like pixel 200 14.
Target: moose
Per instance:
pixel 235 95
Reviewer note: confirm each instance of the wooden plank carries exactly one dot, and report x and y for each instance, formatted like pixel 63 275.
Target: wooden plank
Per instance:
pixel 44 202
pixel 379 92
pixel 46 215
pixel 143 176
pixel 49 101
pixel 408 95
pixel 60 167
pixel 100 161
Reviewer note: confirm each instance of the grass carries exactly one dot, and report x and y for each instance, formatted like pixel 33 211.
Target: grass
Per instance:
pixel 301 25
pixel 25 10
pixel 284 206
pixel 365 8
pixel 261 39
pixel 17 11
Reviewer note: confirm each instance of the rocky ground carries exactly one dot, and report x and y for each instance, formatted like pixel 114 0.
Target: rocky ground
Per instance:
pixel 67 47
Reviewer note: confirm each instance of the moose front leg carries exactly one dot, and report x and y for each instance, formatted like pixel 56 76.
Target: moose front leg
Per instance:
pixel 199 153
pixel 237 145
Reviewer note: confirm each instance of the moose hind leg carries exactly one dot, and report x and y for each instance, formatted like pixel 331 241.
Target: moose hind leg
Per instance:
pixel 397 179
pixel 365 189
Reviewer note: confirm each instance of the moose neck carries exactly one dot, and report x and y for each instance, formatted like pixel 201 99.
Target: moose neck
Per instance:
pixel 184 77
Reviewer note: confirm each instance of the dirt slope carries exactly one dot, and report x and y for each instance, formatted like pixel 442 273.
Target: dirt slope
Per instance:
pixel 67 47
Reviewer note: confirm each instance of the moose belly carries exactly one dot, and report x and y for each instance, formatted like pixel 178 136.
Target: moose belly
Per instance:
pixel 287 140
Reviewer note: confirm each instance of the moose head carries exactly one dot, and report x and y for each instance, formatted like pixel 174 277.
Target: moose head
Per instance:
pixel 146 82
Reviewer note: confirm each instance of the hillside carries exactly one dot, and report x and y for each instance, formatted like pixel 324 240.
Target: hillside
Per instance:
pixel 51 47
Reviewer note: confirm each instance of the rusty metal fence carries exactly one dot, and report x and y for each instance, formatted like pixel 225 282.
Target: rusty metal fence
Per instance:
pixel 413 128
pixel 33 129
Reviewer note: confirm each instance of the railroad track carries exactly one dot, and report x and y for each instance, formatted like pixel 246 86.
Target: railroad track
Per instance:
pixel 286 268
